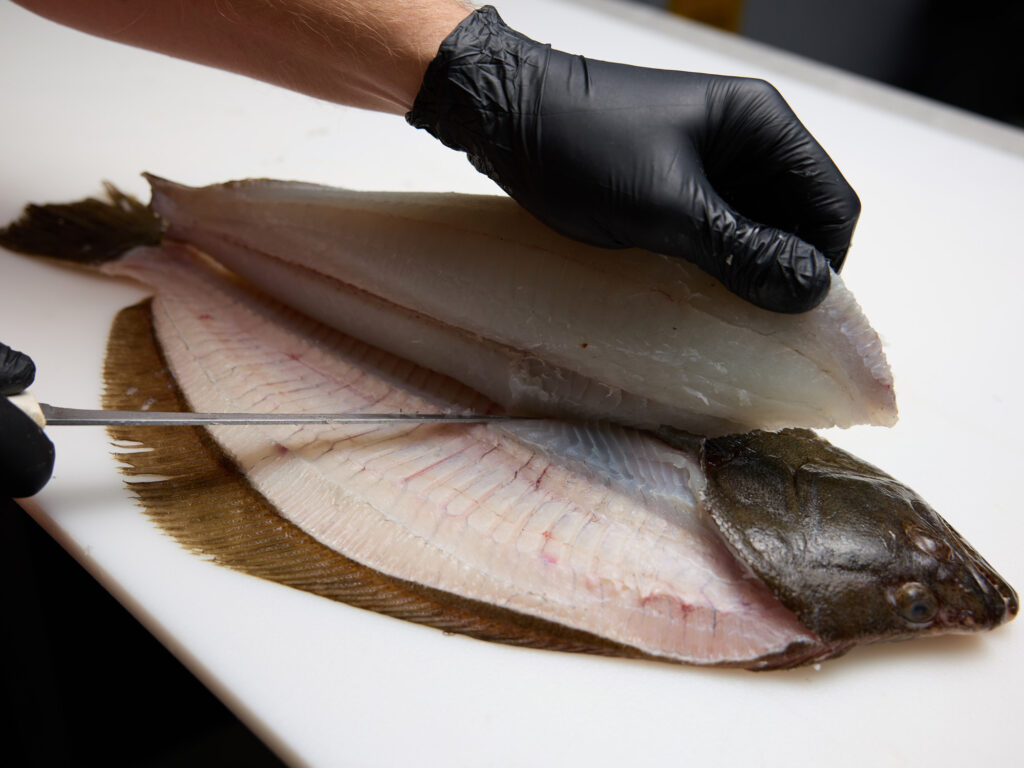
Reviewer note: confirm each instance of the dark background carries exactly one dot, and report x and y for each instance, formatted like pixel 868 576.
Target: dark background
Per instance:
pixel 87 685
pixel 966 54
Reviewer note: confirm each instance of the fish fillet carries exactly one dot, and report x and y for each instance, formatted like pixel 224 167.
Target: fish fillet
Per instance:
pixel 474 288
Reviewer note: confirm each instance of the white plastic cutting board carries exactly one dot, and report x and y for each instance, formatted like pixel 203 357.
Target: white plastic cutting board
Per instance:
pixel 937 265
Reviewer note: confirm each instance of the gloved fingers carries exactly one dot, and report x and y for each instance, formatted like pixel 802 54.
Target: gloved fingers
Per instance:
pixel 833 237
pixel 776 270
pixel 26 453
pixel 812 193
pixel 17 371
pixel 767 165
pixel 767 266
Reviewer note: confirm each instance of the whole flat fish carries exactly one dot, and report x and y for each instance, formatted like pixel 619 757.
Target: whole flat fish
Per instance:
pixel 758 549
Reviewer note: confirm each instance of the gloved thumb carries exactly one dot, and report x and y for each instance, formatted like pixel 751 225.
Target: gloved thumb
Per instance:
pixel 26 453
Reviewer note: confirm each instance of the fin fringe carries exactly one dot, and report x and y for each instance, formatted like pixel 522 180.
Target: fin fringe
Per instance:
pixel 91 231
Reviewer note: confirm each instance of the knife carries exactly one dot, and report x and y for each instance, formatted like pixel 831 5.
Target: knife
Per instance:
pixel 45 414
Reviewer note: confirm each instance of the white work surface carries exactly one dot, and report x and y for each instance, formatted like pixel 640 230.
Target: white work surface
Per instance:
pixel 937 265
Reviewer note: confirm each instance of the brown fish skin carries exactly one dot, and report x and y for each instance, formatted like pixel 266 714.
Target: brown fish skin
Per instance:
pixel 857 555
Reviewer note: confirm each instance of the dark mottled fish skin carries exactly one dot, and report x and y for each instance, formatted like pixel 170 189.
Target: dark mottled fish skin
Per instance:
pixel 857 555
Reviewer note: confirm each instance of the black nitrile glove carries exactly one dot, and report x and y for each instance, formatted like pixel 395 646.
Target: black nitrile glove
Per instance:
pixel 716 170
pixel 26 454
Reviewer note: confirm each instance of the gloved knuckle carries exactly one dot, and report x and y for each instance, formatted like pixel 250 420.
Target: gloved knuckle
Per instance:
pixel 852 202
pixel 760 90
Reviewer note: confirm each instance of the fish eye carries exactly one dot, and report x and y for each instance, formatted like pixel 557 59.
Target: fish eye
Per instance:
pixel 916 603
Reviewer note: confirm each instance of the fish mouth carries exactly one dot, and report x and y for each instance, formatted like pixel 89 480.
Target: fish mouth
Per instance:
pixel 1012 603
pixel 1004 593
pixel 998 601
pixel 974 596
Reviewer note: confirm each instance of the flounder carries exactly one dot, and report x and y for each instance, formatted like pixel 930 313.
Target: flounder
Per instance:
pixel 760 549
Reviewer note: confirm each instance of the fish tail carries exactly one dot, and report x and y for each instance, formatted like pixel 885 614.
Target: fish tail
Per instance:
pixel 92 231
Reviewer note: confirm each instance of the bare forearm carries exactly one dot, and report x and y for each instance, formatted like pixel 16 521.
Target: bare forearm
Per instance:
pixel 365 53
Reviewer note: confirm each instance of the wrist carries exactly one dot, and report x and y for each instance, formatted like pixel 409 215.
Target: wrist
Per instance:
pixel 414 35
pixel 473 84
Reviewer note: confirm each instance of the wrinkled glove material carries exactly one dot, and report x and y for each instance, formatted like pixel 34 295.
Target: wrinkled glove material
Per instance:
pixel 716 170
pixel 26 453
pixel 17 371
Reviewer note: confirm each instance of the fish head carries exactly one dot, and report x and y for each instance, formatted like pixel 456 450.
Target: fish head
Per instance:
pixel 855 554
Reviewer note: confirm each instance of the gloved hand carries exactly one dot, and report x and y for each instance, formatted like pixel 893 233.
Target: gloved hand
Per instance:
pixel 716 170
pixel 26 454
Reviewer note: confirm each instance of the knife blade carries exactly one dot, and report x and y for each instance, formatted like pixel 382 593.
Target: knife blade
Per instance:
pixel 45 414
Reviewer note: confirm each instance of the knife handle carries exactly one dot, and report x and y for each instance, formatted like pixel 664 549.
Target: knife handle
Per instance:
pixel 25 402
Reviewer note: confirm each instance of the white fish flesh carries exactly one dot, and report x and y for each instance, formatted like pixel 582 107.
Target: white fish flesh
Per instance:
pixel 473 287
